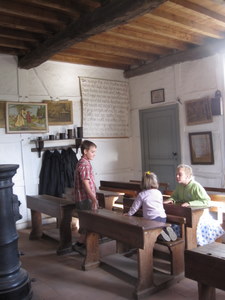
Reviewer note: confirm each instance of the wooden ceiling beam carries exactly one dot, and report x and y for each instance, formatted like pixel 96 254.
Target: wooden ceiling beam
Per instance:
pixel 154 39
pixel 30 26
pixel 90 62
pixel 104 57
pixel 186 24
pixel 111 38
pixel 34 13
pixel 169 31
pixel 19 35
pixel 11 51
pixel 103 48
pixel 104 18
pixel 70 7
pixel 5 42
pixel 197 8
pixel 180 57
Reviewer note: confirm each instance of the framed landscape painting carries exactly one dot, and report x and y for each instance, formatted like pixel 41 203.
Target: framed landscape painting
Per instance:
pixel 59 112
pixel 22 117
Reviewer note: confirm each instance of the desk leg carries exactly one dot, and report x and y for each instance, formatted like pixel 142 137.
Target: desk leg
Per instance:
pixel 145 263
pixel 92 259
pixel 65 233
pixel 36 223
pixel 206 292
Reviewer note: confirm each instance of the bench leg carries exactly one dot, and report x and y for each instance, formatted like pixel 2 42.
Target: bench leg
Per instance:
pixel 65 232
pixel 92 259
pixel 121 247
pixel 177 258
pixel 36 223
pixel 206 292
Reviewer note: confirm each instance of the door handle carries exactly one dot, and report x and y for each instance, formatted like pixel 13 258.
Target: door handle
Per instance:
pixel 174 155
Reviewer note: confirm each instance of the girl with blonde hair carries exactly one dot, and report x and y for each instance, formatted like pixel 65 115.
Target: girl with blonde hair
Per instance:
pixel 151 200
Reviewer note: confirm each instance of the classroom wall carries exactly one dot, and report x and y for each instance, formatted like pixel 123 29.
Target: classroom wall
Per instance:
pixel 120 158
pixel 186 81
pixel 54 81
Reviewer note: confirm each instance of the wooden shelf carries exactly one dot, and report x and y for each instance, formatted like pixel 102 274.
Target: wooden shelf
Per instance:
pixel 53 148
pixel 57 147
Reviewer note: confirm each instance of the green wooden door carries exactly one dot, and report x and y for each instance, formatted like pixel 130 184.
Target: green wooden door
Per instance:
pixel 160 142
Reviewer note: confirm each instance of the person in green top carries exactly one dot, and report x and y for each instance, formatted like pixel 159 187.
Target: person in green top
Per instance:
pixel 188 192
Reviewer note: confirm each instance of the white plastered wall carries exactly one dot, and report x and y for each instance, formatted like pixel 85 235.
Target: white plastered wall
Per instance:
pixel 185 81
pixel 53 81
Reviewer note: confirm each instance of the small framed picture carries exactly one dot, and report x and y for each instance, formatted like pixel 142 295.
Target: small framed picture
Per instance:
pixel 201 148
pixel 198 111
pixel 26 117
pixel 157 96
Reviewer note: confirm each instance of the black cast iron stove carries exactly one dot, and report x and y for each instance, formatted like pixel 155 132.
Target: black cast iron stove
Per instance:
pixel 14 281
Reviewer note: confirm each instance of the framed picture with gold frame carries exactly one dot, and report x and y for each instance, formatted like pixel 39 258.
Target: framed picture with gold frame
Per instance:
pixel 59 112
pixel 2 114
pixel 24 117
pixel 201 148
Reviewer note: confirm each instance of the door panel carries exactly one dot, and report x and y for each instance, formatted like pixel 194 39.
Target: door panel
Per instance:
pixel 160 142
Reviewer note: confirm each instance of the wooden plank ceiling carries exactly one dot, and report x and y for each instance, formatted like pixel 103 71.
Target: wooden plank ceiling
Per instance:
pixel 134 36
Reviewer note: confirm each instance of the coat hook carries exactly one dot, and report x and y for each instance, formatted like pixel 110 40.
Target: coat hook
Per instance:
pixel 178 100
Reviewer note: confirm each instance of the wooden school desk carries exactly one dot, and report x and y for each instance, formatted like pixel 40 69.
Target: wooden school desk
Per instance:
pixel 206 265
pixel 57 207
pixel 133 231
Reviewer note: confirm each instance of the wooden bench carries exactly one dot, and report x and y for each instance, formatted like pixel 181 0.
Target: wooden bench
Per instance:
pixel 176 248
pixel 107 199
pixel 57 207
pixel 206 265
pixel 163 186
pixel 134 231
pixel 129 189
pixel 192 216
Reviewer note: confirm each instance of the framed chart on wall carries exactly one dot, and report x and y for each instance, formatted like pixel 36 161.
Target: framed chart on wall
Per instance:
pixel 201 148
pixel 105 107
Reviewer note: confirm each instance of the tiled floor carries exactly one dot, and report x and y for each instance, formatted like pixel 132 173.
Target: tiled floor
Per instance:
pixel 61 277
